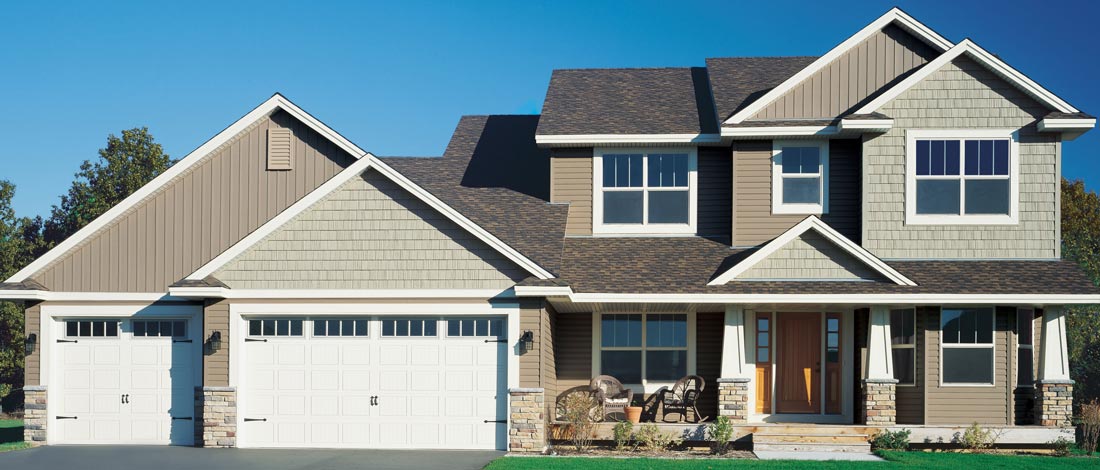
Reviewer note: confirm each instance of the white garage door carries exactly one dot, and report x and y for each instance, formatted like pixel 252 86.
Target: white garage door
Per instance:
pixel 124 382
pixel 425 383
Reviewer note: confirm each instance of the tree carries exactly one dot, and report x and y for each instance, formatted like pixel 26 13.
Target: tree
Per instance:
pixel 17 242
pixel 1081 244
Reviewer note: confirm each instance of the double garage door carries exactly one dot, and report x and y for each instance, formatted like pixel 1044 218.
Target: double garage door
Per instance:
pixel 373 382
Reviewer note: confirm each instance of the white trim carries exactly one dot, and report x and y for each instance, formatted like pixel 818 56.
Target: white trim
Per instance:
pixel 1037 300
pixel 45 295
pixel 224 293
pixel 601 139
pixel 992 346
pixel 894 15
pixel 355 169
pixel 149 189
pixel 911 215
pixel 779 131
pixel 778 206
pixel 1065 124
pixel 874 125
pixel 599 228
pixel 426 308
pixel 542 291
pixel 983 57
pixel 812 223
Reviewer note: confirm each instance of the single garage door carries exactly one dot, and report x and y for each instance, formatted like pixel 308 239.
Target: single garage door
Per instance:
pixel 374 382
pixel 124 382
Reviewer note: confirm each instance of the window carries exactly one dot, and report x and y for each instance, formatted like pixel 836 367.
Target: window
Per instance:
pixel 637 348
pixel 800 177
pixel 832 339
pixel 474 327
pixel 342 327
pixel 644 192
pixel 903 345
pixel 763 339
pixel 963 177
pixel 275 327
pixel 91 328
pixel 1025 349
pixel 408 327
pixel 967 346
pixel 162 328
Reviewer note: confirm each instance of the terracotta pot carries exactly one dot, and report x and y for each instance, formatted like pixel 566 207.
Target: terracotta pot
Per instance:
pixel 634 414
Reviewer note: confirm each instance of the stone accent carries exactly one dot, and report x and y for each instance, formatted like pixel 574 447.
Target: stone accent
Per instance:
pixel 34 415
pixel 1054 403
pixel 216 416
pixel 527 420
pixel 880 402
pixel 733 399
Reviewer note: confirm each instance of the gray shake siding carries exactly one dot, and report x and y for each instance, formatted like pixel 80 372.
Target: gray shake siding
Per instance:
pixel 962 95
pixel 370 234
pixel 810 256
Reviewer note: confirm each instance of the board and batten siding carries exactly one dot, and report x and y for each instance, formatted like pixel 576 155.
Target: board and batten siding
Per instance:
pixel 198 215
pixel 753 221
pixel 571 183
pixel 962 95
pixel 881 59
pixel 963 405
pixel 32 365
pixel 370 234
pixel 810 256
pixel 215 364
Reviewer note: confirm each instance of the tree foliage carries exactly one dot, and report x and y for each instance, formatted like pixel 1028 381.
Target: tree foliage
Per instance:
pixel 1081 244
pixel 18 240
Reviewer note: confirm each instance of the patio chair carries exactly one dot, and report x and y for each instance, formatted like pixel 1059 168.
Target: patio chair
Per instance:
pixel 682 397
pixel 611 395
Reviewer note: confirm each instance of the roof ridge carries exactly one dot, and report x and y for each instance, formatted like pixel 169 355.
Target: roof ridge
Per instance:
pixel 766 57
pixel 581 69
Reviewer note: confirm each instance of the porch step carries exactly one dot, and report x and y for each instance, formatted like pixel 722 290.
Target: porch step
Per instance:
pixel 841 439
pixel 862 449
pixel 810 439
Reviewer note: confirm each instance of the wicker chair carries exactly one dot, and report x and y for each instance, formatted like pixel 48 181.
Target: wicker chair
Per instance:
pixel 682 397
pixel 611 395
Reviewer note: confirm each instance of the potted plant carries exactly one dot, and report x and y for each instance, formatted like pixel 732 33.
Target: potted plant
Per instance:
pixel 634 412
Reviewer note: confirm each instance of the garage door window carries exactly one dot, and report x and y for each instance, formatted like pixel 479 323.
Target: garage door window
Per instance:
pixel 482 327
pixel 91 328
pixel 164 328
pixel 346 327
pixel 272 327
pixel 408 327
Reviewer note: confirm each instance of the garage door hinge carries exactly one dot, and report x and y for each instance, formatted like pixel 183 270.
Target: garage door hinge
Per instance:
pixel 181 341
pixel 66 417
pixel 66 341
pixel 187 418
pixel 248 420
pixel 502 421
pixel 505 340
pixel 259 340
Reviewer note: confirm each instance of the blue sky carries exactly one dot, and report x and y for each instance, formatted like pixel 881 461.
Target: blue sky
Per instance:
pixel 395 77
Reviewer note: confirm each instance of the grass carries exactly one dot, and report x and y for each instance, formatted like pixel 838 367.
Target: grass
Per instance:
pixel 895 460
pixel 11 435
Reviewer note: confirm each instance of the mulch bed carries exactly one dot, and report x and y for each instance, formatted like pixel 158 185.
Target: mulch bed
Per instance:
pixel 689 453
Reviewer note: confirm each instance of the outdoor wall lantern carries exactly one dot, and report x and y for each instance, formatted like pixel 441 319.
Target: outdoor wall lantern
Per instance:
pixel 527 341
pixel 214 343
pixel 29 343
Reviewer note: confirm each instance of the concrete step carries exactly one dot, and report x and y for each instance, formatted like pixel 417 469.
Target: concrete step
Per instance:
pixel 787 438
pixel 810 447
pixel 814 429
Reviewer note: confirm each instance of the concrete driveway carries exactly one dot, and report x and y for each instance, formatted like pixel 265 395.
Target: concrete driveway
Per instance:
pixel 189 458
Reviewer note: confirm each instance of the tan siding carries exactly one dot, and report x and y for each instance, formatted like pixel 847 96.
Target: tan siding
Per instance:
pixel 910 399
pixel 215 204
pixel 370 234
pixel 962 95
pixel 753 221
pixel 573 350
pixel 215 365
pixel 571 183
pixel 965 405
pixel 530 362
pixel 709 328
pixel 549 363
pixel 32 324
pixel 811 256
pixel 851 78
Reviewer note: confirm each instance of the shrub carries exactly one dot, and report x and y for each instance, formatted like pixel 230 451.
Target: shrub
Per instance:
pixel 1061 446
pixel 977 438
pixel 622 431
pixel 1090 426
pixel 891 440
pixel 721 432
pixel 651 438
pixel 577 410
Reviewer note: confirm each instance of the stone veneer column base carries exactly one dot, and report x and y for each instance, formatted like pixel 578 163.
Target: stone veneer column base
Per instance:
pixel 216 416
pixel 733 399
pixel 527 420
pixel 34 414
pixel 1054 403
pixel 880 402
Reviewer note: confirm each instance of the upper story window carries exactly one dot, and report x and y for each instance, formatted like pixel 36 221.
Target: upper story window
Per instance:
pixel 800 177
pixel 961 177
pixel 644 191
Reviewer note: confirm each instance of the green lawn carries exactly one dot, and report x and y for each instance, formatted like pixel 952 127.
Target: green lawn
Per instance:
pixel 11 435
pixel 898 460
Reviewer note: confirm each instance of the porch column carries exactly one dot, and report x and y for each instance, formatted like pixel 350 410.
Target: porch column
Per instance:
pixel 733 385
pixel 879 386
pixel 1053 387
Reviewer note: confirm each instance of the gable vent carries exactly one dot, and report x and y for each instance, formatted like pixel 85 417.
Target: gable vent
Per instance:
pixel 280 155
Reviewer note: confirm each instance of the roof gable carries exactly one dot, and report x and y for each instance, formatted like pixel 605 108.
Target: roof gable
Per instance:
pixel 828 254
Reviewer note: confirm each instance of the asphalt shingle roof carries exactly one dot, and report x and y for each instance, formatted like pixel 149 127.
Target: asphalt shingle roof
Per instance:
pixel 738 81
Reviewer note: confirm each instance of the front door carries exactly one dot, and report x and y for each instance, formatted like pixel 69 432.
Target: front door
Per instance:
pixel 798 363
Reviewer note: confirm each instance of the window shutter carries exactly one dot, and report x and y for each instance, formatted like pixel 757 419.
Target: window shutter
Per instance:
pixel 280 155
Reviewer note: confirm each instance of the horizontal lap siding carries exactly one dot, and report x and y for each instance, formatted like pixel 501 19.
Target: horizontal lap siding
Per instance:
pixel 32 324
pixel 549 362
pixel 910 399
pixel 200 214
pixel 573 350
pixel 709 328
pixel 965 405
pixel 571 182
pixel 215 370
pixel 530 362
pixel 715 193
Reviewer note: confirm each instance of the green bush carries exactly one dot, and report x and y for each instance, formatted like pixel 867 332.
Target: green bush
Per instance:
pixel 1061 446
pixel 891 440
pixel 623 432
pixel 977 438
pixel 721 432
pixel 651 438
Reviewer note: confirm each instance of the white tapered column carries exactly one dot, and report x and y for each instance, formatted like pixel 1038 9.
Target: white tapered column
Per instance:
pixel 733 384
pixel 1054 388
pixel 879 386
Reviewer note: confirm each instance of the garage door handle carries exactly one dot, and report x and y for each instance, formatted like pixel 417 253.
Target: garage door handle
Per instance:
pixel 500 421
pixel 505 340
pixel 255 340
pixel 187 418
pixel 249 420
pixel 66 417
pixel 66 341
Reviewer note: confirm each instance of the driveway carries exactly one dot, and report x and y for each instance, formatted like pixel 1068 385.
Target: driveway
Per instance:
pixel 190 458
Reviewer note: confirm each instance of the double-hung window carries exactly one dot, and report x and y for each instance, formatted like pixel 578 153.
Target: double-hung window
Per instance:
pixel 644 192
pixel 639 348
pixel 967 341
pixel 800 177
pixel 961 177
pixel 903 345
pixel 1025 347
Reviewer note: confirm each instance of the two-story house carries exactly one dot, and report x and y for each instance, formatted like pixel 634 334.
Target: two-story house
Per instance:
pixel 870 237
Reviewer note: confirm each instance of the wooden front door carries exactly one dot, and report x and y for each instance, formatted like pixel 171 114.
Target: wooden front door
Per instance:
pixel 798 363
